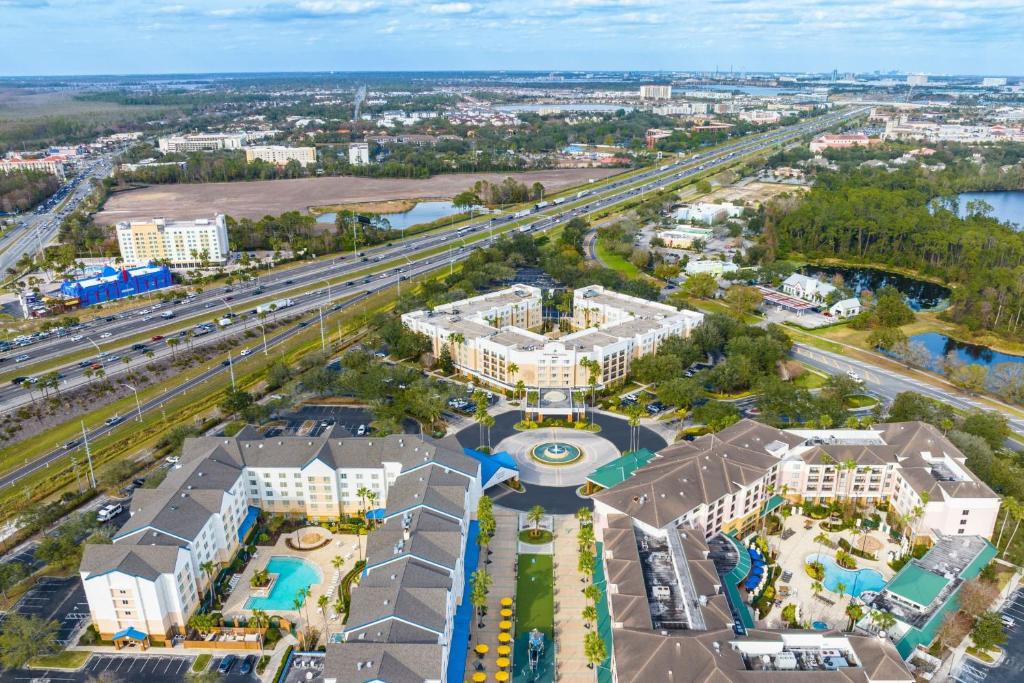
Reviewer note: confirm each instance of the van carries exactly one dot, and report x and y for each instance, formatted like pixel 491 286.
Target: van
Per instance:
pixel 108 512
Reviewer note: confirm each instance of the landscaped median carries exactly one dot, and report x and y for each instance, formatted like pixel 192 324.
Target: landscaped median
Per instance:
pixel 71 660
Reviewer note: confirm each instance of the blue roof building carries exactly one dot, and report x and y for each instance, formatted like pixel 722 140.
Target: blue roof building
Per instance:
pixel 116 283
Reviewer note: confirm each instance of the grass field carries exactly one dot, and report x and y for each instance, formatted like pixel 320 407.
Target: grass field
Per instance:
pixel 68 659
pixel 535 596
pixel 614 261
pixel 812 379
pixel 860 401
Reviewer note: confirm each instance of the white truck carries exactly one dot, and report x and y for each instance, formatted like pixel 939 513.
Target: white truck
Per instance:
pixel 521 214
pixel 559 200
pixel 274 306
pixel 526 228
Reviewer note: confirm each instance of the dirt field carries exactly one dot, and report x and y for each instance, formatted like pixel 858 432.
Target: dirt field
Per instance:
pixel 754 193
pixel 257 199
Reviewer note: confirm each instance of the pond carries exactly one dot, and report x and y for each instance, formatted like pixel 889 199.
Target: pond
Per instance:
pixel 423 212
pixel 1007 207
pixel 921 295
pixel 940 346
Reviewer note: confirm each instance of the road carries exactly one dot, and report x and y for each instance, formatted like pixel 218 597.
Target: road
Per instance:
pixel 35 230
pixel 586 203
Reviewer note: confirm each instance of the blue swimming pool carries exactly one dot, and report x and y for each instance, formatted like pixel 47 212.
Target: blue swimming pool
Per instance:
pixel 294 574
pixel 855 581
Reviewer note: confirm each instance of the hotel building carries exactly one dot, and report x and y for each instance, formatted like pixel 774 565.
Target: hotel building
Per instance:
pixel 280 154
pixel 201 142
pixel 182 244
pixel 489 333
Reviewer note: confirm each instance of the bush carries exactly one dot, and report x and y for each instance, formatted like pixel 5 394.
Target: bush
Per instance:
pixel 815 570
pixel 284 661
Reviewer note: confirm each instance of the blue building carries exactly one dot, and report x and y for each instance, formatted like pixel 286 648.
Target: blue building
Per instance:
pixel 116 283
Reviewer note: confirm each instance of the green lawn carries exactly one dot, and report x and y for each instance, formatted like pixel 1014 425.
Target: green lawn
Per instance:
pixel 535 597
pixel 201 664
pixel 542 536
pixel 68 659
pixel 810 380
pixel 614 261
pixel 860 401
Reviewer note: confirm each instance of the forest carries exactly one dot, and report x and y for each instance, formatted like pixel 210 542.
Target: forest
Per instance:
pixel 890 218
pixel 21 190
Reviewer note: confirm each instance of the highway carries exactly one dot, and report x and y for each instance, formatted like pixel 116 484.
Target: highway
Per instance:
pixel 402 256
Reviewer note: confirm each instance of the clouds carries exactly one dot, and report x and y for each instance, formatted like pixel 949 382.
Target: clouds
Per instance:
pixel 794 35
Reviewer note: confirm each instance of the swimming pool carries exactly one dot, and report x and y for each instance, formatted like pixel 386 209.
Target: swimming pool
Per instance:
pixel 294 574
pixel 855 581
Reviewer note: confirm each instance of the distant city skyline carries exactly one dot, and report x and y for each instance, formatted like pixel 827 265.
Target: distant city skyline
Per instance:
pixel 89 37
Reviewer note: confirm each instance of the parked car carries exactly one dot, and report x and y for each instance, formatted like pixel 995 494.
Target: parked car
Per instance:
pixel 247 664
pixel 108 512
pixel 226 664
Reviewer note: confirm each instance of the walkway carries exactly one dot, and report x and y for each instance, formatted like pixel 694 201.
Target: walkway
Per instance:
pixel 571 663
pixel 503 585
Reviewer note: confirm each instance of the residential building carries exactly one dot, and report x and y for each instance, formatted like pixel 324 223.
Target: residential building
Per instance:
pixel 807 288
pixel 359 153
pixel 53 164
pixel 487 334
pixel 841 141
pixel 182 244
pixel 655 92
pixel 993 82
pixel 712 266
pixel 200 142
pixel 917 79
pixel 151 577
pixel 654 135
pixel 280 154
pixel 682 109
pixel 683 236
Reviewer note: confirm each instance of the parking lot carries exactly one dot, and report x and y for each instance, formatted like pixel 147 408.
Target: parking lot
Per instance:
pixel 62 600
pixel 339 421
pixel 140 667
pixel 235 673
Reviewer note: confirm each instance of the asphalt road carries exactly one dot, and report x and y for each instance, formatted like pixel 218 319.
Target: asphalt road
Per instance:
pixel 551 217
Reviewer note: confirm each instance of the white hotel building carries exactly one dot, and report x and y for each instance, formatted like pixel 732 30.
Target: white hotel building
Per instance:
pixel 487 334
pixel 151 577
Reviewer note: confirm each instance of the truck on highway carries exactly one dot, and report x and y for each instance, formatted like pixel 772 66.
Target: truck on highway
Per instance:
pixel 559 200
pixel 167 315
pixel 526 228
pixel 521 214
pixel 274 306
pixel 224 322
pixel 540 205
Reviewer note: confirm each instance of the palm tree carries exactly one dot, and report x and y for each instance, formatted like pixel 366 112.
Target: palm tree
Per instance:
pixel 821 539
pixel 1009 502
pixel 323 601
pixel 338 562
pixel 634 427
pixel 817 587
pixel 362 492
pixel 1017 512
pixel 173 343
pixel 259 619
pixel 584 516
pixel 534 517
pixel 840 588
pixel 456 340
pixel 208 568
pixel 481 581
pixel 513 370
pixel 594 648
pixel 371 496
pixel 521 391
pixel 589 615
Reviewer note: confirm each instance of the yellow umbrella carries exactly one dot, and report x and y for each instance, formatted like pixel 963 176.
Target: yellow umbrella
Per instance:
pixel 506 602
pixel 506 613
pixel 501 676
pixel 503 662
pixel 479 677
pixel 482 649
pixel 504 637
pixel 504 650
pixel 505 625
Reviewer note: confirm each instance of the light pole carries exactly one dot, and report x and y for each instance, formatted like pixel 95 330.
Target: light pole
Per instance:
pixel 88 455
pixel 323 337
pixel 264 330
pixel 89 339
pixel 231 369
pixel 138 406
pixel 328 283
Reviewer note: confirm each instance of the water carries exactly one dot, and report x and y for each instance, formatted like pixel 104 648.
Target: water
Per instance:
pixel 1007 207
pixel 294 574
pixel 855 581
pixel 939 346
pixel 921 295
pixel 423 212
pixel 597 107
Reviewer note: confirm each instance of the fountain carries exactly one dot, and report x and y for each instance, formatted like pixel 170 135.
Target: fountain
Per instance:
pixel 556 453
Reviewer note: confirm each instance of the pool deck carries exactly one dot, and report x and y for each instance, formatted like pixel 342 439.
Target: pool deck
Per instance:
pixel 344 545
pixel 795 550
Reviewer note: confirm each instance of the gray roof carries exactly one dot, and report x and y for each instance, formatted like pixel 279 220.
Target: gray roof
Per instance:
pixel 432 537
pixel 432 486
pixel 391 662
pixel 144 561
pixel 407 590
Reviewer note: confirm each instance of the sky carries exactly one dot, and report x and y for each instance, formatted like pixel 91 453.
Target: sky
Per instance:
pixel 49 37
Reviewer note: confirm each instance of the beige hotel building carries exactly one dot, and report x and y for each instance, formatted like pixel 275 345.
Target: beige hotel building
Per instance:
pixel 182 244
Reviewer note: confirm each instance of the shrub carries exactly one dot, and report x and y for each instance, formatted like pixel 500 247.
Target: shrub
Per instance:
pixel 816 570
pixel 284 660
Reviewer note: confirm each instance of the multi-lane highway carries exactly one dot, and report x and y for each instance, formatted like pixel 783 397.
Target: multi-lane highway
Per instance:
pixel 407 259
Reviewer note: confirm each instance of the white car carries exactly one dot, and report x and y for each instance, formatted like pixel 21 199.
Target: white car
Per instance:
pixel 245 352
pixel 854 376
pixel 77 338
pixel 106 335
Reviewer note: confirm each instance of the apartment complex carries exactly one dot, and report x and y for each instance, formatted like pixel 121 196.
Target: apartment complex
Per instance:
pixel 655 92
pixel 201 142
pixel 840 141
pixel 151 577
pixel 720 482
pixel 486 335
pixel 280 154
pixel 182 244
pixel 52 164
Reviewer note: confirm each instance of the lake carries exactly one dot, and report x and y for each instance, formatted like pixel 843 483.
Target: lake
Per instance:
pixel 423 212
pixel 1007 207
pixel 939 346
pixel 745 89
pixel 921 295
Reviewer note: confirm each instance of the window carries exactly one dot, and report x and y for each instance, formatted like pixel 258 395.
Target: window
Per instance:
pixel 966 512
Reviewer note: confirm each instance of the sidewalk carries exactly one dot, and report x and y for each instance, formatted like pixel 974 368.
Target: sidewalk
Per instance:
pixel 503 585
pixel 570 662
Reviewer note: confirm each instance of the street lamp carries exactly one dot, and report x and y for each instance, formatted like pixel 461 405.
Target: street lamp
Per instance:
pixel 138 406
pixel 328 283
pixel 323 338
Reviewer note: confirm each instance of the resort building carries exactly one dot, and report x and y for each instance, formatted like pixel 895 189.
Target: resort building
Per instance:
pixel 151 577
pixel 280 154
pixel 181 244
pixel 486 335
pixel 53 164
pixel 840 141
pixel 683 236
pixel 721 482
pixel 807 288
pixel 200 142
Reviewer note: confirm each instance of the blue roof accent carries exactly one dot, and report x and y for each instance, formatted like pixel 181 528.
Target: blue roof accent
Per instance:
pixel 375 514
pixel 248 523
pixel 464 613
pixel 131 632
pixel 490 464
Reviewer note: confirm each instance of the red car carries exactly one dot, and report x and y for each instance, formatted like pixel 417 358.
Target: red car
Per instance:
pixel 96 366
pixel 156 337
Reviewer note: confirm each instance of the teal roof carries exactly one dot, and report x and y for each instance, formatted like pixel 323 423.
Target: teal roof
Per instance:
pixel 917 584
pixel 604 618
pixel 732 579
pixel 926 634
pixel 620 469
pixel 772 504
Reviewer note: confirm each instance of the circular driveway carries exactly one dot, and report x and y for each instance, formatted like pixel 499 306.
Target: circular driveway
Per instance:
pixel 554 488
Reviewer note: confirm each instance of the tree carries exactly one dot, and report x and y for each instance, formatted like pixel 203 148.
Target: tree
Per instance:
pixel 970 377
pixel 855 613
pixel 203 622
pixel 988 631
pixel 592 593
pixel 11 574
pixel 584 516
pixel 207 568
pixel 236 401
pixel 594 649
pixel 23 638
pixel 589 615
pixel 322 602
pixel 481 586
pixel 717 415
pixel 534 517
pixel 976 596
pixel 744 300
pixel 701 286
pixel 585 565
pixel 681 392
pixel 882 621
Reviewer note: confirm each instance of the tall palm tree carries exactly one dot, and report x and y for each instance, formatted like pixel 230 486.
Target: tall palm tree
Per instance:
pixel 521 391
pixel 362 492
pixel 456 340
pixel 821 539
pixel 207 568
pixel 323 601
pixel 1009 502
pixel 513 370
pixel 534 517
pixel 1018 514
pixel 371 496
